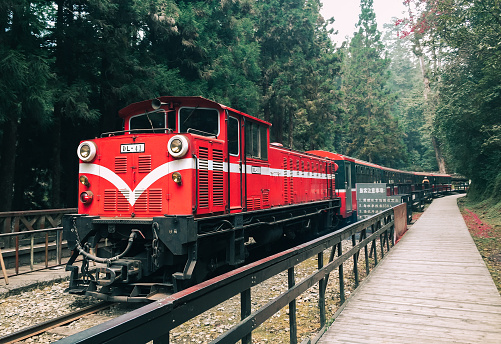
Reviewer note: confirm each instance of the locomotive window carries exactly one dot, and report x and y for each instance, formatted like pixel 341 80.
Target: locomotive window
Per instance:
pixel 171 120
pixel 149 122
pixel 233 141
pixel 199 121
pixel 256 140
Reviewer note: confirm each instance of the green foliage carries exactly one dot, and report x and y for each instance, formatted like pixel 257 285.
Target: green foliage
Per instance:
pixel 470 95
pixel 371 133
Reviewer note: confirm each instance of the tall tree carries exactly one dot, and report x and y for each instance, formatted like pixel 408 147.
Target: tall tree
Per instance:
pixel 298 68
pixel 406 82
pixel 427 48
pixel 24 92
pixel 373 134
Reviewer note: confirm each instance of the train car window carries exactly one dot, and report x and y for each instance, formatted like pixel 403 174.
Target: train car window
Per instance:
pixel 233 136
pixel 171 120
pixel 256 140
pixel 199 121
pixel 150 122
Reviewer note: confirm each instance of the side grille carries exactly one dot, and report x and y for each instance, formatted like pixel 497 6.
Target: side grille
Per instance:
pixel 150 200
pixel 217 178
pixel 110 200
pixel 266 198
pixel 286 183
pixel 144 164
pixel 203 177
pixel 120 164
pixel 116 200
pixel 253 203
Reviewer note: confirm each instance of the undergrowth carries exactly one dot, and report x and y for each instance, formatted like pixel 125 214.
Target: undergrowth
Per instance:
pixel 483 219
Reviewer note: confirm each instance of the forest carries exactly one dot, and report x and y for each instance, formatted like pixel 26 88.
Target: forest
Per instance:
pixel 422 93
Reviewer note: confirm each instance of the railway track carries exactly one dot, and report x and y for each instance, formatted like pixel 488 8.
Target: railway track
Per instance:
pixel 59 321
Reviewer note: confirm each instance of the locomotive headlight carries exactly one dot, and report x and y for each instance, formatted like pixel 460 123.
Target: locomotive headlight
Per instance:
pixel 84 180
pixel 86 197
pixel 86 151
pixel 178 146
pixel 176 177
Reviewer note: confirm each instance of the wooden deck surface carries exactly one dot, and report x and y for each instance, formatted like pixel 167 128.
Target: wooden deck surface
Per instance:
pixel 432 287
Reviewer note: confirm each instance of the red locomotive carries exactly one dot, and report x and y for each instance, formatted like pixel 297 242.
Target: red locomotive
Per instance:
pixel 187 187
pixel 190 186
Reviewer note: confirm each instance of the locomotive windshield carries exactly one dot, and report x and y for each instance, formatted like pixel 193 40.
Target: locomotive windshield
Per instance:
pixel 150 122
pixel 199 121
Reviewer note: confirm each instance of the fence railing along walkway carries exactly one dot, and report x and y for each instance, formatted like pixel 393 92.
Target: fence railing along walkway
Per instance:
pixel 33 231
pixel 374 236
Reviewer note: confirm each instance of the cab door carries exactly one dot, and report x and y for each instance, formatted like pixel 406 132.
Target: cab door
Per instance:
pixel 234 168
pixel 347 185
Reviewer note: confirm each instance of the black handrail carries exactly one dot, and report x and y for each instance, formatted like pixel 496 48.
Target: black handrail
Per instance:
pixel 155 320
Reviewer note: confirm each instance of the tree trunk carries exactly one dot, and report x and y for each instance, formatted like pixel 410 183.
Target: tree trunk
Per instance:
pixel 8 164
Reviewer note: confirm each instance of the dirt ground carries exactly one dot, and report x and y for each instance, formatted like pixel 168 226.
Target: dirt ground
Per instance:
pixel 484 223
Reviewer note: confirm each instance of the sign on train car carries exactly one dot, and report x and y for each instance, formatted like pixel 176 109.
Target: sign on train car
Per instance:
pixel 372 199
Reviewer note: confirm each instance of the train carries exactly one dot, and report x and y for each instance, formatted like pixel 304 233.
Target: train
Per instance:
pixel 191 187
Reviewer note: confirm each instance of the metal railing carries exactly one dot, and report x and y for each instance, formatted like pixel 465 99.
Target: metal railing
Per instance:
pixel 155 321
pixel 26 231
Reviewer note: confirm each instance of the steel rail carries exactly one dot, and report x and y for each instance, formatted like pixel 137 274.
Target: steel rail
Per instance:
pixel 49 324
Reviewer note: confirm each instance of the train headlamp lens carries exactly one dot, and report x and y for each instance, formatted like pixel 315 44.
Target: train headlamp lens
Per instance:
pixel 176 145
pixel 86 197
pixel 176 177
pixel 86 151
pixel 84 180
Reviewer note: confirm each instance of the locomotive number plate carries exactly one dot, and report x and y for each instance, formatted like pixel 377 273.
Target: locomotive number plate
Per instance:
pixel 132 148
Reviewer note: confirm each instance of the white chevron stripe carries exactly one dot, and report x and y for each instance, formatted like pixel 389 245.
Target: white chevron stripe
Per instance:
pixel 178 165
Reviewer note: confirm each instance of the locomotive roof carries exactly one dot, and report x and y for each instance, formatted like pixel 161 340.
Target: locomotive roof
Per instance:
pixel 330 155
pixel 145 106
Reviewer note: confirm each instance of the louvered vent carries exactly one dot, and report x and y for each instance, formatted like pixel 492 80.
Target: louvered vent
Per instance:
pixel 266 198
pixel 291 183
pixel 144 164
pixel 121 164
pixel 123 200
pixel 203 177
pixel 286 183
pixel 257 203
pixel 141 204
pixel 217 178
pixel 150 200
pixel 116 200
pixel 110 200
pixel 155 199
pixel 250 204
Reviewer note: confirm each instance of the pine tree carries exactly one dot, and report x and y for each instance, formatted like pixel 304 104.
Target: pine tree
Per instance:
pixel 372 133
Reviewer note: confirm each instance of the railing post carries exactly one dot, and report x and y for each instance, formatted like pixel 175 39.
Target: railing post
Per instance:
pixel 32 251
pixel 374 246
pixel 245 311
pixel 321 290
pixel 16 230
pixel 46 250
pixel 355 261
pixel 363 235
pixel 58 246
pixel 341 275
pixel 292 308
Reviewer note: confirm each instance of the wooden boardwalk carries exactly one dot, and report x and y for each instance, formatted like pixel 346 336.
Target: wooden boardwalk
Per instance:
pixel 432 287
